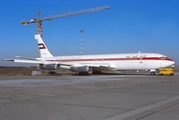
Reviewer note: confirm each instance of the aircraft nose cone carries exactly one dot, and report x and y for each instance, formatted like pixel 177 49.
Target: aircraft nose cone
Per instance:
pixel 172 62
pixel 168 63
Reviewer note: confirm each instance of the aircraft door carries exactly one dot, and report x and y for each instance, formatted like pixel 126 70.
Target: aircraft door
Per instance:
pixel 140 59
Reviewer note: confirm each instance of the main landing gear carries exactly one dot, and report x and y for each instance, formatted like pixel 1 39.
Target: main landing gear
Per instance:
pixel 83 73
pixel 51 73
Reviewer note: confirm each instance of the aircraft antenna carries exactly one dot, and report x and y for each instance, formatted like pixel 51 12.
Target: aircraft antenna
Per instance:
pixel 39 20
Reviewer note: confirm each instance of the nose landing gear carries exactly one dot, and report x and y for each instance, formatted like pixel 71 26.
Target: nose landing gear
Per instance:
pixel 152 73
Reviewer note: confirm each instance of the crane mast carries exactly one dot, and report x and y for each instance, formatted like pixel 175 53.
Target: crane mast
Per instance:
pixel 39 20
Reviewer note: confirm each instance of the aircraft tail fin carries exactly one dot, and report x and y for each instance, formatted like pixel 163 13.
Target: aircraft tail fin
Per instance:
pixel 43 50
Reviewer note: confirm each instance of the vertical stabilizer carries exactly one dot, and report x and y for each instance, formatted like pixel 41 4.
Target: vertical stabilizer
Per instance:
pixel 43 50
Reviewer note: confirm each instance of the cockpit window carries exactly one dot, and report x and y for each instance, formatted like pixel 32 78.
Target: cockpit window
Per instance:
pixel 163 57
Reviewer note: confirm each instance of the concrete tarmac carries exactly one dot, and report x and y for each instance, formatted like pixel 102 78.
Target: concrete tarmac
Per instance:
pixel 95 97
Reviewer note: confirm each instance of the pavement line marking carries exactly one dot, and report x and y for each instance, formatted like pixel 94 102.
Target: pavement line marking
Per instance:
pixel 142 109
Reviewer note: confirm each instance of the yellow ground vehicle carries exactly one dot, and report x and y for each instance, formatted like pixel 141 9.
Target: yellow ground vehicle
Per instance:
pixel 166 71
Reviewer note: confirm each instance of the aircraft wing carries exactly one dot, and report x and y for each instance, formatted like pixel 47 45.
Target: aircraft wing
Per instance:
pixel 103 67
pixel 66 64
pixel 95 66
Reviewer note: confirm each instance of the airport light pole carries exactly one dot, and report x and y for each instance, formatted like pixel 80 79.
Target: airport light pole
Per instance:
pixel 81 51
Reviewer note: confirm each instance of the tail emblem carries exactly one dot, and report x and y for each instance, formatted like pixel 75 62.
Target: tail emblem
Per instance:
pixel 41 46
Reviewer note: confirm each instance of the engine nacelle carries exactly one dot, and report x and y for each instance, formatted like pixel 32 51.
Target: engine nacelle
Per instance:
pixel 80 69
pixel 49 66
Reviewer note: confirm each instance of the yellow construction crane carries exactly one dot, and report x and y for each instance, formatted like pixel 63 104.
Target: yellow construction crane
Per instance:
pixel 39 20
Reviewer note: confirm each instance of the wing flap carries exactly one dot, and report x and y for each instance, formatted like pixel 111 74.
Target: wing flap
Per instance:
pixel 66 64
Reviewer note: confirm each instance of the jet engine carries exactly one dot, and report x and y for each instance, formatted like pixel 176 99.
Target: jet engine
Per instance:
pixel 80 69
pixel 49 66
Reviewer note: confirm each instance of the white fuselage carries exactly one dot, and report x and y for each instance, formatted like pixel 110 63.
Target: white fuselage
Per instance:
pixel 130 61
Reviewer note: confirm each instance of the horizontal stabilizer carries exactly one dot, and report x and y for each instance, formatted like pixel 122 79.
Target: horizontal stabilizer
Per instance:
pixel 28 58
pixel 24 61
pixel 7 60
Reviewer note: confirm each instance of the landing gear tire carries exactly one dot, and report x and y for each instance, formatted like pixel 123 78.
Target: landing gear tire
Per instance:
pixel 152 73
pixel 96 72
pixel 51 73
pixel 83 73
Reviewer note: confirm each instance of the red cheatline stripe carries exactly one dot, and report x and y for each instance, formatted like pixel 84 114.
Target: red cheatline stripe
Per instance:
pixel 109 59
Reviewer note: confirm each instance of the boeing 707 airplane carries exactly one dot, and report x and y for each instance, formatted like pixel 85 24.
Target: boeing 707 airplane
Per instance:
pixel 91 63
